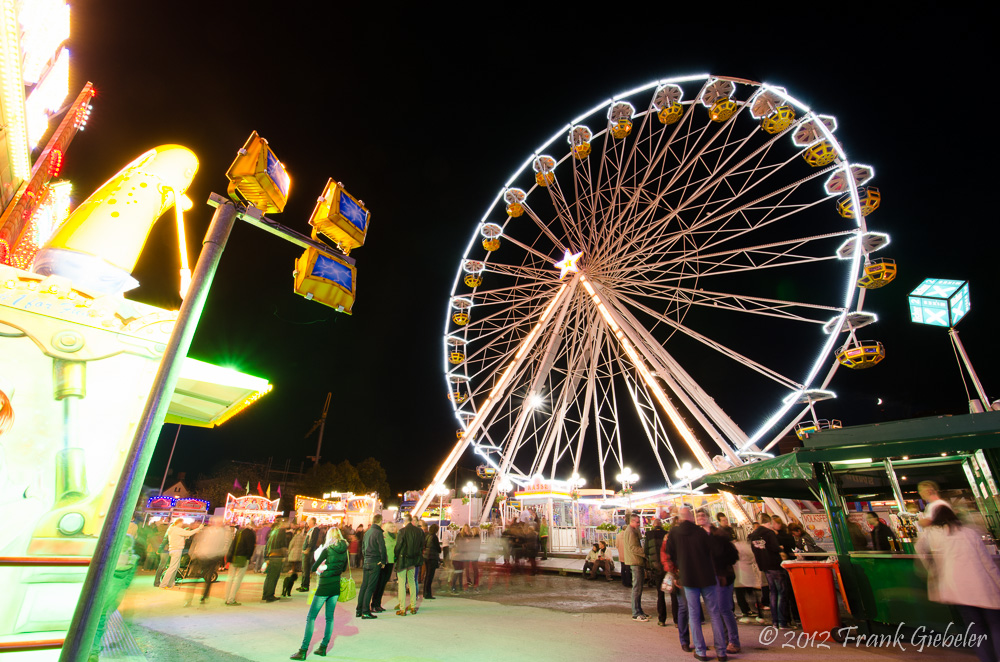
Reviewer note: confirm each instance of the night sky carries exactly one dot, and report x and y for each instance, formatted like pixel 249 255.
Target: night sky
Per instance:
pixel 424 115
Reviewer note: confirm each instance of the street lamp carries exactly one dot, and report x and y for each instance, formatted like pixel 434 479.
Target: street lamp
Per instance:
pixel 688 474
pixel 468 491
pixel 627 478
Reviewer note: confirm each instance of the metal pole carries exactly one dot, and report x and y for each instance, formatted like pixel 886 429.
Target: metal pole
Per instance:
pixel 322 426
pixel 968 366
pixel 166 471
pixel 83 628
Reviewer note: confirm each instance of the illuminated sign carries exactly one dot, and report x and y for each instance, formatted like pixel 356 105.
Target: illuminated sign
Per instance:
pixel 939 302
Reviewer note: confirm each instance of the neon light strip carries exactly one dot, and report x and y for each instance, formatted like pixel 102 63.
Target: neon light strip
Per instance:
pixel 12 90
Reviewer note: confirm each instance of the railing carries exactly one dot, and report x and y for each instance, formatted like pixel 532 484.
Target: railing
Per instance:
pixel 43 561
pixel 25 646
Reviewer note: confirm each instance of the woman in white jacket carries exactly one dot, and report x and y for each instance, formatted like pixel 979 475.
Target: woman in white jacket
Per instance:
pixel 961 572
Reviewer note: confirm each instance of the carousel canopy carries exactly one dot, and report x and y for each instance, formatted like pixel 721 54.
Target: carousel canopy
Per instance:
pixel 208 395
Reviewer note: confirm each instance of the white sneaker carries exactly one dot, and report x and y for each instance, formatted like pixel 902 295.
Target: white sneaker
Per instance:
pixel 642 618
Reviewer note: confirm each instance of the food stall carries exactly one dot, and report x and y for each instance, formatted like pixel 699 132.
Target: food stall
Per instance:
pixel 883 464
pixel 337 508
pixel 165 508
pixel 250 510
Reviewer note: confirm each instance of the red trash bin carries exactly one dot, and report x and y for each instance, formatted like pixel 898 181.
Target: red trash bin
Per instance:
pixel 815 594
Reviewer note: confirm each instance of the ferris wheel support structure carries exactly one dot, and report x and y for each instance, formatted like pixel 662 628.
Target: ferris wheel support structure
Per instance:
pixel 496 395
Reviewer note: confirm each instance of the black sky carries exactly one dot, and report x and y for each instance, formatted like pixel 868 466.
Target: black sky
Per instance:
pixel 424 114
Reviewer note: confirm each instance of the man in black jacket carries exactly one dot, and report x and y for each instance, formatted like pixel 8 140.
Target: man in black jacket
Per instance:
pixel 375 558
pixel 309 546
pixel 767 552
pixel 238 557
pixel 275 553
pixel 409 555
pixel 689 548
pixel 881 533
pixel 654 540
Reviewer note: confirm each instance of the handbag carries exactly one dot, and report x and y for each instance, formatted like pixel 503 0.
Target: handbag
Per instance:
pixel 348 589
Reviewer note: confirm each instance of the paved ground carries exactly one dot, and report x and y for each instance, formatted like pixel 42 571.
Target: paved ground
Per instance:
pixel 554 619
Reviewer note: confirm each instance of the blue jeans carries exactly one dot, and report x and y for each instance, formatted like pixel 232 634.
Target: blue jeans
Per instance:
pixel 682 617
pixel 694 596
pixel 983 622
pixel 728 615
pixel 318 601
pixel 637 580
pixel 776 587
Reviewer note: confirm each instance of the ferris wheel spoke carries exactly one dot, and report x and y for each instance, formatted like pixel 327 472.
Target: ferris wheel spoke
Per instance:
pixel 738 303
pixel 712 344
pixel 771 205
pixel 775 254
pixel 544 227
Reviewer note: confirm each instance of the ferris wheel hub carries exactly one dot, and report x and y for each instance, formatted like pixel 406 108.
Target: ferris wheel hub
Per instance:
pixel 568 264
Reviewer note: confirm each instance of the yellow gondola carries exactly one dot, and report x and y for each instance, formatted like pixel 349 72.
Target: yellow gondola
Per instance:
pixel 622 128
pixel 779 120
pixel 722 109
pixel 861 355
pixel 878 273
pixel 820 154
pixel 868 197
pixel 670 114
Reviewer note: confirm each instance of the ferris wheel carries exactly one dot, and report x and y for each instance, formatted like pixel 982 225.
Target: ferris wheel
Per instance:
pixel 675 275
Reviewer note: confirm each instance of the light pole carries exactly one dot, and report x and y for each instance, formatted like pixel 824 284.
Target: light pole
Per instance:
pixel 468 491
pixel 575 483
pixel 504 488
pixel 627 478
pixel 441 491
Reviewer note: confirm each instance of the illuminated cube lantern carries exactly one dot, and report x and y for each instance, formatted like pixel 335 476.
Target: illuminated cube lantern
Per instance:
pixel 341 217
pixel 939 302
pixel 257 177
pixel 326 278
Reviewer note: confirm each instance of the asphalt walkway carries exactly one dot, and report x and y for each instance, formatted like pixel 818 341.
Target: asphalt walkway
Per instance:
pixel 575 620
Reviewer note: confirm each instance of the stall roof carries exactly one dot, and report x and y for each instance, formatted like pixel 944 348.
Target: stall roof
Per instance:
pixel 208 395
pixel 782 477
pixel 792 476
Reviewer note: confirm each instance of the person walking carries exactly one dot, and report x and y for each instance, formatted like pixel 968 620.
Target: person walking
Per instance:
pixel 331 563
pixel 625 569
pixel 240 551
pixel 207 552
pixel 177 537
pixel 310 543
pixel 374 555
pixel 432 558
pixel 164 552
pixel 389 535
pixel 257 560
pixel 295 549
pixel 689 547
pixel 961 572
pixel 635 559
pixel 274 553
pixel 409 554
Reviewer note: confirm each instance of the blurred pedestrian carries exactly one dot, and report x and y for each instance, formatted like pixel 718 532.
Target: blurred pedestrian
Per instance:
pixel 883 539
pixel 724 558
pixel 652 545
pixel 409 555
pixel 962 572
pixel 689 547
pixel 177 536
pixel 275 553
pixel 207 552
pixel 747 585
pixel 240 551
pixel 767 553
pixel 310 543
pixel 263 533
pixel 635 558
pixel 295 550
pixel 432 558
pixel 331 563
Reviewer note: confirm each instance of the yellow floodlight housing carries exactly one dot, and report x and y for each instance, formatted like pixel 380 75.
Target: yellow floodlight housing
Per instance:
pixel 340 216
pixel 258 177
pixel 326 278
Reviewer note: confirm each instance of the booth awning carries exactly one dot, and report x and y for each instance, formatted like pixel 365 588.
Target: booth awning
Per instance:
pixel 208 395
pixel 780 477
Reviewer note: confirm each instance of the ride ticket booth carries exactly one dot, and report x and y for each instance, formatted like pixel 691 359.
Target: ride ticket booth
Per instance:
pixel 877 468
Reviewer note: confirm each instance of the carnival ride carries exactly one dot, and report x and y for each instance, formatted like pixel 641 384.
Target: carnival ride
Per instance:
pixel 698 247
